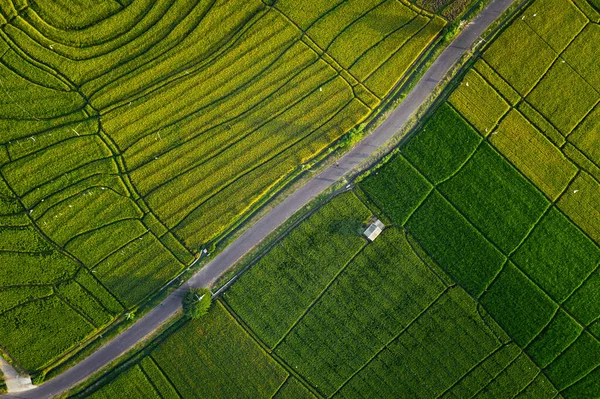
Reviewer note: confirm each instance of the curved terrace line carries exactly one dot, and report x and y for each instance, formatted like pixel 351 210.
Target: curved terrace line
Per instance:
pixel 277 216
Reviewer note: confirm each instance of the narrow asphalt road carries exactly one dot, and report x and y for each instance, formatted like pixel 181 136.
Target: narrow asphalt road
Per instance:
pixel 278 215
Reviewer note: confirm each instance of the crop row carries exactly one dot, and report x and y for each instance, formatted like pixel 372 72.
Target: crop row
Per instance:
pixel 295 272
pixel 505 217
pixel 383 289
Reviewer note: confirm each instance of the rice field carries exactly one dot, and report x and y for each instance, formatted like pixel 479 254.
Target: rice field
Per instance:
pixel 512 218
pixel 386 322
pixel 135 134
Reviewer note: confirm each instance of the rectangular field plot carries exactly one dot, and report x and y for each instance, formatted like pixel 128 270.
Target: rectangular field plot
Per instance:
pixel 533 154
pixel 423 362
pixel 133 382
pixel 382 291
pixel 557 22
pixel 60 327
pixel 397 189
pixel 444 143
pixel 582 53
pixel 478 102
pixel 541 123
pixel 138 269
pixel 557 255
pixel 581 203
pixel 518 305
pixel 514 379
pixel 455 244
pixel 584 303
pixel 221 360
pixel 585 137
pixel 520 56
pixel 563 97
pixel 484 373
pixel 497 82
pixel 292 389
pixel 554 339
pixel 575 362
pixel 494 196
pixel 299 268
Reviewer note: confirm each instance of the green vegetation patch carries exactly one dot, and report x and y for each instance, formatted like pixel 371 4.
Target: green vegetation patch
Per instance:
pixel 540 387
pixel 585 137
pixel 514 379
pixel 497 82
pixel 520 56
pixel 122 275
pixel 496 198
pixel 60 326
pixel 484 373
pixel 430 355
pixel 455 244
pixel 220 359
pixel 557 255
pixel 444 143
pixel 381 292
pixel 478 102
pixel 533 154
pixel 581 203
pixel 557 22
pixel 158 379
pixel 404 58
pixel 575 362
pixel 554 339
pixel 541 123
pixel 11 297
pixel 74 15
pixel 299 268
pixel 132 383
pixel 563 97
pixel 397 189
pixel 582 53
pixel 583 387
pixel 584 303
pixel 518 305
pixel 292 389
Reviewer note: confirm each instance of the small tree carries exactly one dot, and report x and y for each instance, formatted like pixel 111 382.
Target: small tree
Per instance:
pixel 196 302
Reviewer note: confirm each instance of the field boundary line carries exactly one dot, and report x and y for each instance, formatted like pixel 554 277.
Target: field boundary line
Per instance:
pixel 387 35
pixel 268 351
pixel 468 372
pixel 283 152
pixel 223 99
pixel 148 379
pixel 320 295
pixel 241 139
pixel 180 73
pixel 167 378
pixel 281 386
pixel 410 244
pixel 324 51
pixel 391 340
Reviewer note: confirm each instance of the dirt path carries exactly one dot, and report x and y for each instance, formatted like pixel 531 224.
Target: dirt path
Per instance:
pixel 14 381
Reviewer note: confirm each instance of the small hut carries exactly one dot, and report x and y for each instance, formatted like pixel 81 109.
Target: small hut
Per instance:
pixel 374 229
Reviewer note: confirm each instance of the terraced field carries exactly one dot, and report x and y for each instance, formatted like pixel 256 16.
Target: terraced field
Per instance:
pixel 507 200
pixel 485 282
pixel 335 316
pixel 136 133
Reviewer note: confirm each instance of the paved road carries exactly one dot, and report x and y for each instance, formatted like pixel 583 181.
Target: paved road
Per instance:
pixel 279 214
